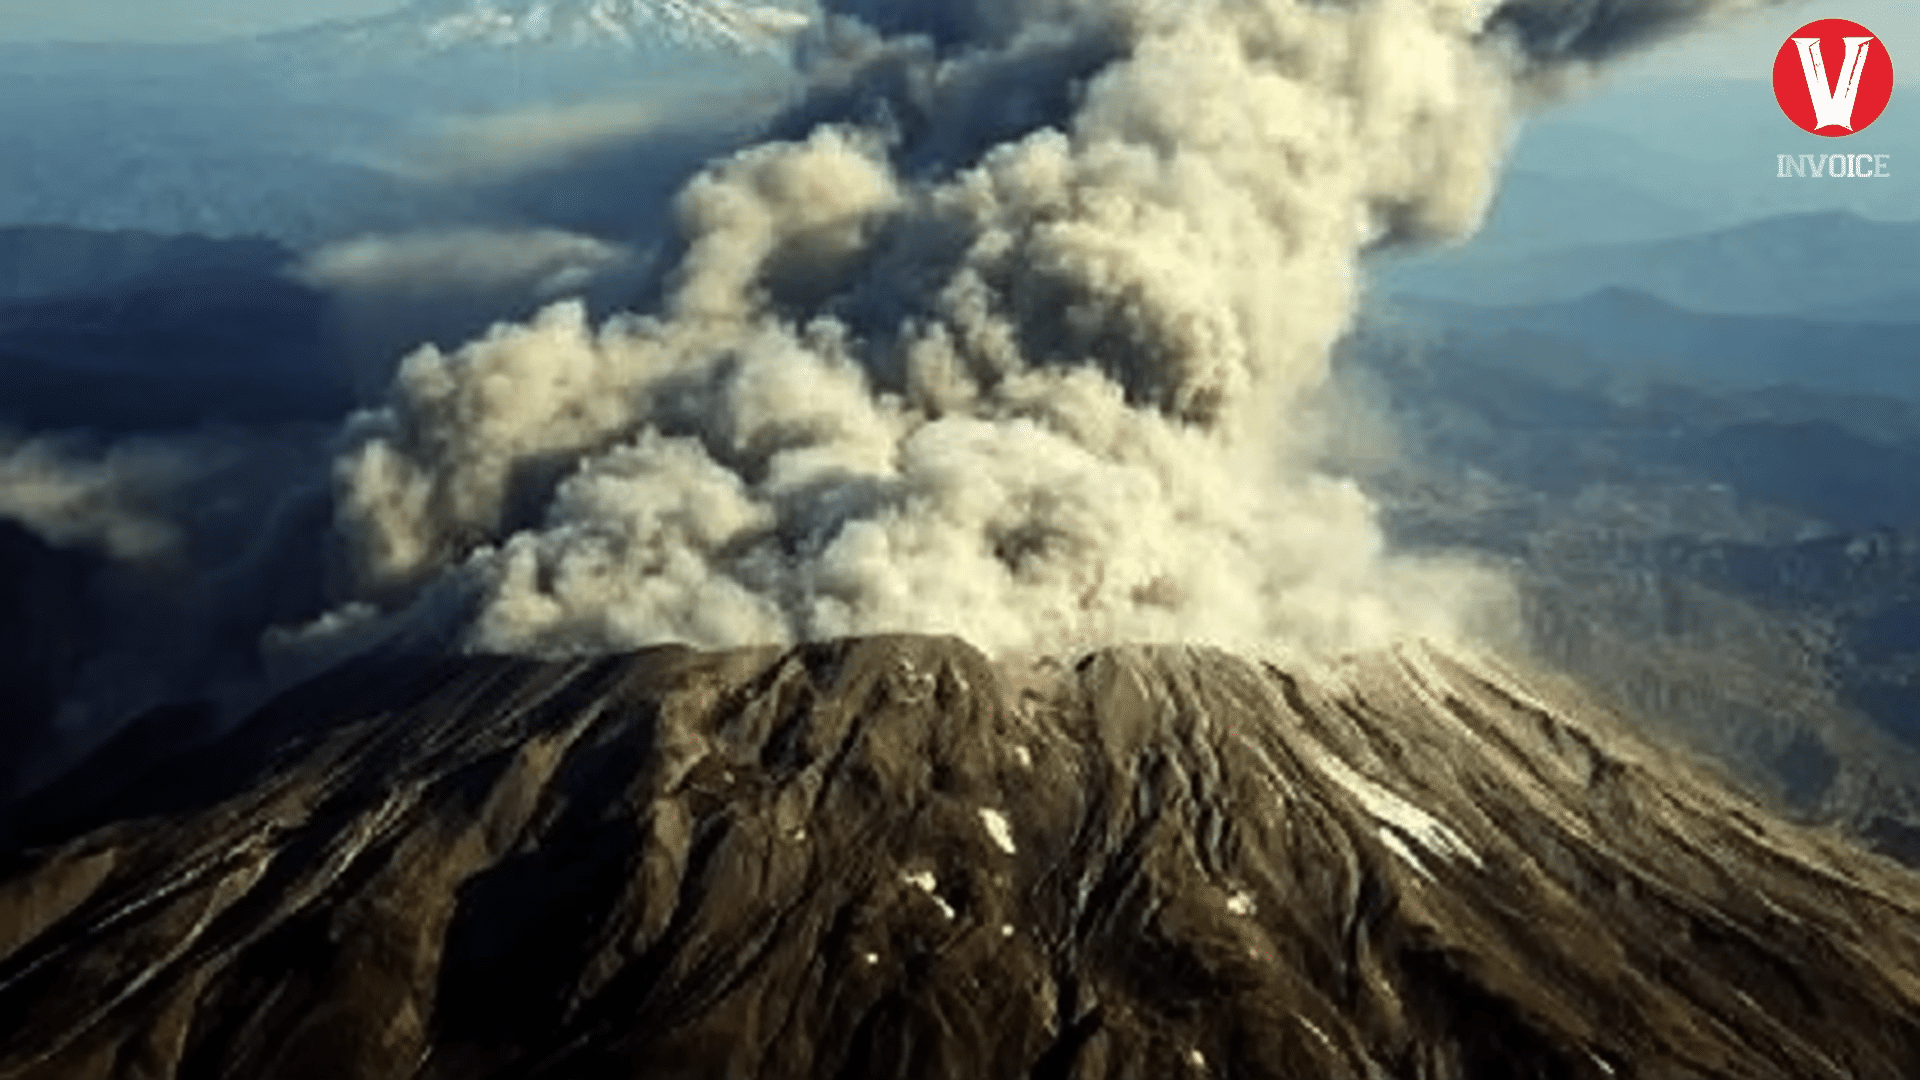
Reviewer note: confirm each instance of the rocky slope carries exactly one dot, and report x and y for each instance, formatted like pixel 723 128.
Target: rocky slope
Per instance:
pixel 891 858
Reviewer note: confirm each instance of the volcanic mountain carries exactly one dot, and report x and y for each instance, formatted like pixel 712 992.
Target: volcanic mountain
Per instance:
pixel 446 26
pixel 891 857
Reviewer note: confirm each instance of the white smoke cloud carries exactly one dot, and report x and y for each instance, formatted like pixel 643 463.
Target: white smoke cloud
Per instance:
pixel 117 500
pixel 488 147
pixel 545 262
pixel 536 138
pixel 389 292
pixel 1014 343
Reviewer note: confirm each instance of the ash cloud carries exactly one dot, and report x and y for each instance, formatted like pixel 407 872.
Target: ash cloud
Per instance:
pixel 546 261
pixel 491 147
pixel 115 502
pixel 1015 337
pixel 390 292
pixel 1549 32
pixel 569 199
pixel 1016 328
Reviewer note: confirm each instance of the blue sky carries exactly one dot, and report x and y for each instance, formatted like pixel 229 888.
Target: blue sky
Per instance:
pixel 1726 51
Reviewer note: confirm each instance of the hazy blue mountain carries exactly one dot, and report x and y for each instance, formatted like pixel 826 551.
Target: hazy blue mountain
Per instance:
pixel 134 331
pixel 1624 335
pixel 1531 213
pixel 1791 264
pixel 1899 307
pixel 46 261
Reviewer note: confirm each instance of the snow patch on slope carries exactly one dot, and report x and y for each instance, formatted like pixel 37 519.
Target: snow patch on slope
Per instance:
pixel 1402 823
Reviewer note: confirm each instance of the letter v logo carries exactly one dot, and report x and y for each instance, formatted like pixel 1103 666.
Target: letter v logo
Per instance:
pixel 1833 77
pixel 1833 102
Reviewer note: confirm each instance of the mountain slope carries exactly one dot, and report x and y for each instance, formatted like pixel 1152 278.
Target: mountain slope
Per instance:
pixel 888 857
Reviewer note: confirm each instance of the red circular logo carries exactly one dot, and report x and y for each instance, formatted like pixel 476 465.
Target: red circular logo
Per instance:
pixel 1833 77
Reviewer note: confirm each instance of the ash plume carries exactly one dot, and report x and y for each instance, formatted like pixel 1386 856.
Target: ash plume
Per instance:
pixel 1015 327
pixel 1015 334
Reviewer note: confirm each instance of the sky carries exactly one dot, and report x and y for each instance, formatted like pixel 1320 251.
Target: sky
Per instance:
pixel 1743 48
pixel 1703 105
pixel 1740 47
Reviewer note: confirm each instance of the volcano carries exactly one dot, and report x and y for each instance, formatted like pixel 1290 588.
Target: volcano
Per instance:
pixel 429 27
pixel 892 857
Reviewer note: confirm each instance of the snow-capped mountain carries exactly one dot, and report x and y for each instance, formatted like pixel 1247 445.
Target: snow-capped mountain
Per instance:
pixel 446 26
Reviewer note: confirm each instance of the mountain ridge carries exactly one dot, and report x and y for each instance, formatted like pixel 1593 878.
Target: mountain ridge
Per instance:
pixel 1743 269
pixel 1629 332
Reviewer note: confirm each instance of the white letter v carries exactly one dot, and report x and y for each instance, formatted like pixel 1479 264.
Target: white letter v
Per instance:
pixel 1833 104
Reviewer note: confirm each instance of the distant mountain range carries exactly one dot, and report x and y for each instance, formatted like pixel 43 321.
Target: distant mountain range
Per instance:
pixel 1891 307
pixel 1617 334
pixel 1794 264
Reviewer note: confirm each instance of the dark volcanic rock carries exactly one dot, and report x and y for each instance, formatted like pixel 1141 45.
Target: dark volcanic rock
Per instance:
pixel 888 858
